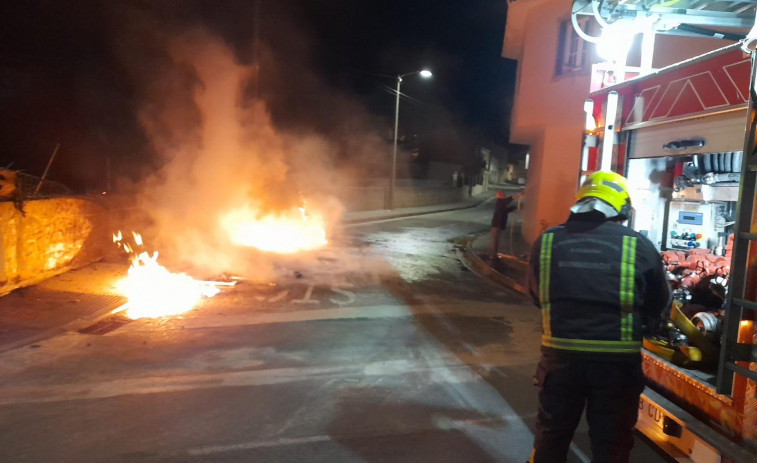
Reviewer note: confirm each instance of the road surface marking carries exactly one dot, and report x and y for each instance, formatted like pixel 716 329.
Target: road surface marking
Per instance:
pixel 439 371
pixel 280 296
pixel 443 423
pixel 337 313
pixel 210 450
pixel 307 298
pixel 348 294
pixel 578 453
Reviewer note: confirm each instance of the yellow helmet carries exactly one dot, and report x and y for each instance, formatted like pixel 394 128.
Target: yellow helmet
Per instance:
pixel 610 187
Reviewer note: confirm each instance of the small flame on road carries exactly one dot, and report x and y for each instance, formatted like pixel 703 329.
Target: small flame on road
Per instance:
pixel 285 232
pixel 152 290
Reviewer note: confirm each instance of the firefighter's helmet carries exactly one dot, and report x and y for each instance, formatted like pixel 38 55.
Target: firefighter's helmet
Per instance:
pixel 611 188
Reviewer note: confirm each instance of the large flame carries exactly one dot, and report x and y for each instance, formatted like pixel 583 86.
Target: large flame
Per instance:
pixel 152 290
pixel 284 232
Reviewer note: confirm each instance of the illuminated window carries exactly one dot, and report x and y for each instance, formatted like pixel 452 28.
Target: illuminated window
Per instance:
pixel 573 52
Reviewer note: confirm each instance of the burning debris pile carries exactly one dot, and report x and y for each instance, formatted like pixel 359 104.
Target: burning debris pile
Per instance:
pixel 231 192
pixel 286 232
pixel 152 290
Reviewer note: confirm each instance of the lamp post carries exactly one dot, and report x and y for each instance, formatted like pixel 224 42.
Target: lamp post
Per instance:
pixel 425 73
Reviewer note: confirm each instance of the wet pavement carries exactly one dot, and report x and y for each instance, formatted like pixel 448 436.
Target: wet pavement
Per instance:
pixel 387 348
pixel 79 299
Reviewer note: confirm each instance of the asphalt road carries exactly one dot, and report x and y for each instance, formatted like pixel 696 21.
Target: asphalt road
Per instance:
pixel 385 348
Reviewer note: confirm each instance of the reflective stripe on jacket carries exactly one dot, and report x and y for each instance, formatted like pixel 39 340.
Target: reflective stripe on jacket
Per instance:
pixel 595 281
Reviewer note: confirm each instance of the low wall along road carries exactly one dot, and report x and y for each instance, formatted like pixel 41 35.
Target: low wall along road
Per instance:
pixel 371 198
pixel 49 237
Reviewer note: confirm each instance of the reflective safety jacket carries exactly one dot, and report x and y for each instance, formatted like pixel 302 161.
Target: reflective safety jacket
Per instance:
pixel 596 282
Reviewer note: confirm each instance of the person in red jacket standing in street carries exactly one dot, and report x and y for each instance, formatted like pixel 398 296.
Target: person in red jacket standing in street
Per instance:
pixel 502 208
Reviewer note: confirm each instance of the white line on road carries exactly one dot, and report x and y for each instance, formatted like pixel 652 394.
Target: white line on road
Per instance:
pixel 445 370
pixel 485 310
pixel 578 453
pixel 446 424
pixel 200 451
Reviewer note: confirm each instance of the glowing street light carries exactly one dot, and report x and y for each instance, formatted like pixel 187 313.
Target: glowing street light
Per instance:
pixel 424 73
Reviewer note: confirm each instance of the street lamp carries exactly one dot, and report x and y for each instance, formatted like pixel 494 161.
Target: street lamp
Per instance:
pixel 424 73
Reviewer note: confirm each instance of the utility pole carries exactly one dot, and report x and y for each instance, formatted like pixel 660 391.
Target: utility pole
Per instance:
pixel 425 73
pixel 393 179
pixel 256 47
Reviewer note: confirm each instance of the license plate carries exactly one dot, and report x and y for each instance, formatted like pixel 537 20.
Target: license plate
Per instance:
pixel 650 413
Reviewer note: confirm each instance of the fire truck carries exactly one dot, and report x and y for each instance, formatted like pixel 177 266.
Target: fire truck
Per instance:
pixel 685 136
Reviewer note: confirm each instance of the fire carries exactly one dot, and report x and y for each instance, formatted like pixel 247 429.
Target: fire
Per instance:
pixel 286 232
pixel 152 290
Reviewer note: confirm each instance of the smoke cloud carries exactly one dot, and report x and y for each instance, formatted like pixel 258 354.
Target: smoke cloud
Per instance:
pixel 218 153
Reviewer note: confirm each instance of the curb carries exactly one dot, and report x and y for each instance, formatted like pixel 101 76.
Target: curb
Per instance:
pixel 73 325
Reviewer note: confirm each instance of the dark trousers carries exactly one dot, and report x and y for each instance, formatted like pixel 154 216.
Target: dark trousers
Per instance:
pixel 609 390
pixel 496 233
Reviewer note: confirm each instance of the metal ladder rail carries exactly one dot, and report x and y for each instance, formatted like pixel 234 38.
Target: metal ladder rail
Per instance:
pixel 735 14
pixel 736 303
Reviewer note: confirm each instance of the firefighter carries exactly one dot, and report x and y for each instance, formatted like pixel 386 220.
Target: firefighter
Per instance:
pixel 598 284
pixel 502 209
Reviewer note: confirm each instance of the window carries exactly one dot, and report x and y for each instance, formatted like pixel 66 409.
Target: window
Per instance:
pixel 573 52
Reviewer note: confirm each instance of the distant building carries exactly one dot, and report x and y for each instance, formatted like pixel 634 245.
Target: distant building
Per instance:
pixel 553 80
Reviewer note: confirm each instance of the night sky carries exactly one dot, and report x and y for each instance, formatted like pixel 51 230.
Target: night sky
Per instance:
pixel 66 79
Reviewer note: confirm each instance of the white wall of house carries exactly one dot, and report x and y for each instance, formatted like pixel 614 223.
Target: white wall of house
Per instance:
pixel 547 113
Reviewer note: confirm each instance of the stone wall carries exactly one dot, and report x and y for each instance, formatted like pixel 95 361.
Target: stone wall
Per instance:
pixel 375 198
pixel 416 197
pixel 50 236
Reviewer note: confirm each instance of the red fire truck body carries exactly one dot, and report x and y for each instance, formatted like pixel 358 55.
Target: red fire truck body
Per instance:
pixel 684 138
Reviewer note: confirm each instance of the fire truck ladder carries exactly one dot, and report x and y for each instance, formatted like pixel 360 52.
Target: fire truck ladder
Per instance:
pixel 741 310
pixel 680 17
